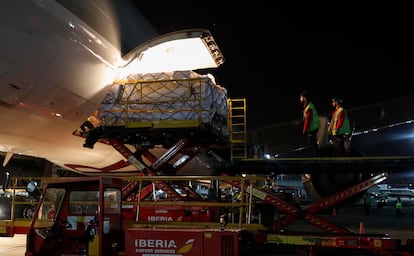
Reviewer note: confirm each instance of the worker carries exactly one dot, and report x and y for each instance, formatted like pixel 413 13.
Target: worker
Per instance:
pixel 93 127
pixel 310 119
pixel 398 207
pixel 339 129
pixel 366 200
pixel 92 122
pixel 51 213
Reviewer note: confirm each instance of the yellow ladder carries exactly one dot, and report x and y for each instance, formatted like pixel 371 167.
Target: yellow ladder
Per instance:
pixel 237 128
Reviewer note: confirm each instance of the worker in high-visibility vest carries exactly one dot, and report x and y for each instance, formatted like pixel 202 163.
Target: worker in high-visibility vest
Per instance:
pixel 366 203
pixel 398 207
pixel 339 129
pixel 94 129
pixel 310 119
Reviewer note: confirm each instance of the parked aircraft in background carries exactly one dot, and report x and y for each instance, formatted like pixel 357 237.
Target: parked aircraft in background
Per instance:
pixel 387 190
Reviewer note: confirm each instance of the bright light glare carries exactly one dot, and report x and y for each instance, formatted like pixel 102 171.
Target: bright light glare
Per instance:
pixel 179 51
pixel 181 161
pixel 183 54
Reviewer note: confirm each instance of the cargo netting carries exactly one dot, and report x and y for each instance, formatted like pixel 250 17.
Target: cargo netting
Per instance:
pixel 167 100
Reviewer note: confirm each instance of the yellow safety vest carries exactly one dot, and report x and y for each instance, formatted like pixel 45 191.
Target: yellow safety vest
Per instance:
pixel 344 129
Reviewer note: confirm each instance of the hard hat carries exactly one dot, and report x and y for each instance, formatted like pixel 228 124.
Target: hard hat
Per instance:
pixel 337 100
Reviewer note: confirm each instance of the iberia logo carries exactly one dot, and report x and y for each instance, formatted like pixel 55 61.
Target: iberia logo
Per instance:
pixel 187 246
pixel 159 247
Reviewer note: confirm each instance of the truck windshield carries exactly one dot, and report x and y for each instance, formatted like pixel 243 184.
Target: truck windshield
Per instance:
pixel 49 207
pixel 84 202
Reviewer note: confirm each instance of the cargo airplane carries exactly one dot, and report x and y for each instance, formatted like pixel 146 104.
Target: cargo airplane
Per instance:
pixel 57 63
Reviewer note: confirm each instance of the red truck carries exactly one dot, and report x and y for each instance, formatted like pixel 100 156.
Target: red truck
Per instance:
pixel 88 221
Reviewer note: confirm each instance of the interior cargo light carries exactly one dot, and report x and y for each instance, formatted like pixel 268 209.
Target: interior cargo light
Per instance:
pixel 178 51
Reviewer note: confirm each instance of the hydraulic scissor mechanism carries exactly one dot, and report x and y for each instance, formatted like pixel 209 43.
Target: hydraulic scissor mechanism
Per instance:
pixel 294 213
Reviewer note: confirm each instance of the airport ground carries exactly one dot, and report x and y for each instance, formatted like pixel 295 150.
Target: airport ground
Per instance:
pixel 379 221
pixel 13 246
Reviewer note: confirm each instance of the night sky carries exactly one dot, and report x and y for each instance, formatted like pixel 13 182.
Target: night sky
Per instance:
pixel 362 54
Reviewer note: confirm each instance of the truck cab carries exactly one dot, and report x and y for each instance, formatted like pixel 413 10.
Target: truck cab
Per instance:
pixel 79 216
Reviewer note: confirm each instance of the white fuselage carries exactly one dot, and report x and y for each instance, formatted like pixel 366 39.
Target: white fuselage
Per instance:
pixel 54 72
pixel 389 191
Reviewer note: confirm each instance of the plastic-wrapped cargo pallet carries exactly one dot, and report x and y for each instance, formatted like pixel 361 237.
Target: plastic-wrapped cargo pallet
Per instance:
pixel 180 97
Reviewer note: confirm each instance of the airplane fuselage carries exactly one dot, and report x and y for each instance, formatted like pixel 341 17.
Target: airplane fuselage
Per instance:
pixel 386 190
pixel 54 72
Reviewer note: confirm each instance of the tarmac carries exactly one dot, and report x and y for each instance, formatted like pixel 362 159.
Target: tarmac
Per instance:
pixel 379 221
pixel 13 246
